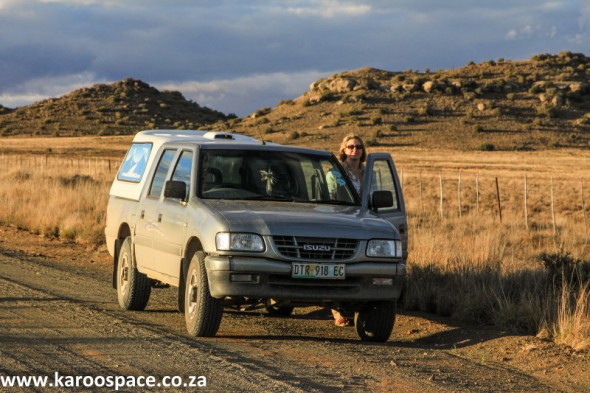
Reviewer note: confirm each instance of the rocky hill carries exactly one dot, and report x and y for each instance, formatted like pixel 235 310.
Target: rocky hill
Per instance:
pixel 121 108
pixel 542 103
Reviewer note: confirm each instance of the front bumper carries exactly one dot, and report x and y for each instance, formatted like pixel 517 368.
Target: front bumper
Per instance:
pixel 264 279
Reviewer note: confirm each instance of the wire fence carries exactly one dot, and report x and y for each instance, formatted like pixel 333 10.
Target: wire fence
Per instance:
pixel 65 166
pixel 528 198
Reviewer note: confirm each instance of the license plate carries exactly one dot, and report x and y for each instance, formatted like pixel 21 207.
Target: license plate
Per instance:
pixel 318 270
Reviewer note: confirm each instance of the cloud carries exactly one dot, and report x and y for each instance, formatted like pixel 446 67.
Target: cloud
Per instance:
pixel 329 9
pixel 240 55
pixel 246 94
pixel 39 89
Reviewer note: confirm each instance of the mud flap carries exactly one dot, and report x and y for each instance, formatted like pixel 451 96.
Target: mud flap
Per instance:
pixel 116 261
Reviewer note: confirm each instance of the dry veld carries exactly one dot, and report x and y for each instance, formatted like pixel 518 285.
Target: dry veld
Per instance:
pixel 495 237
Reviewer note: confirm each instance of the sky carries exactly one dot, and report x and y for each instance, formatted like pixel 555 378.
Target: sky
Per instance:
pixel 237 56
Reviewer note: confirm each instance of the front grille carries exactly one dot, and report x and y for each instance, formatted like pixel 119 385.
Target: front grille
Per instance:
pixel 315 248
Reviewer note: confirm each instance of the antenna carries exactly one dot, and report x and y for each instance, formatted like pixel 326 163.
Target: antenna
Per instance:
pixel 261 136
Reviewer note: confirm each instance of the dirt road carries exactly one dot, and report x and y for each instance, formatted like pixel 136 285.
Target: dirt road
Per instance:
pixel 61 315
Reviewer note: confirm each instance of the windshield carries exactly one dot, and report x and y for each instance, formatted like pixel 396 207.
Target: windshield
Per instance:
pixel 272 175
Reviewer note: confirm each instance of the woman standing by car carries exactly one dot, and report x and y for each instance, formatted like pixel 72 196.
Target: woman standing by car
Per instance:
pixel 352 154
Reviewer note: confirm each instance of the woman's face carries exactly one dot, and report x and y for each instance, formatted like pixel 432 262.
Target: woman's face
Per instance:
pixel 354 148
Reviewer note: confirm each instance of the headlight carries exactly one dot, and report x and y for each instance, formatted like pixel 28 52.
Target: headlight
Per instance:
pixel 384 248
pixel 226 241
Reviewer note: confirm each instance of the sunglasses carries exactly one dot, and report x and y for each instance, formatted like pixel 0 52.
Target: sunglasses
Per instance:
pixel 358 147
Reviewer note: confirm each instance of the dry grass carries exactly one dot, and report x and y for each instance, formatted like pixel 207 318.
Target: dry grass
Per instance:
pixel 56 197
pixel 467 265
pixel 573 317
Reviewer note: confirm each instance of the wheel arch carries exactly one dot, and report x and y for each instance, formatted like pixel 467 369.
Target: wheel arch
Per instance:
pixel 192 246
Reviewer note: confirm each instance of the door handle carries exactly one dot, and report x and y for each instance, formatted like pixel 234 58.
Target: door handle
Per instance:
pixel 142 215
pixel 160 217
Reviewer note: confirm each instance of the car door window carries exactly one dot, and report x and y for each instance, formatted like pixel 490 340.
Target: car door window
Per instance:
pixel 383 180
pixel 161 172
pixel 182 171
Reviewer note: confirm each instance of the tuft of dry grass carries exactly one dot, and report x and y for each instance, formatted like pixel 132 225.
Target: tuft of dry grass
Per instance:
pixel 572 325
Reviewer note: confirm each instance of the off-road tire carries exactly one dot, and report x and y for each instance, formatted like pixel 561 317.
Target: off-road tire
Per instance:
pixel 202 312
pixel 133 288
pixel 375 321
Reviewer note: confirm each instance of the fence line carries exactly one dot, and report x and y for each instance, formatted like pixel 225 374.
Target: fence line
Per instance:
pixel 467 201
pixel 544 198
pixel 82 165
pixel 64 166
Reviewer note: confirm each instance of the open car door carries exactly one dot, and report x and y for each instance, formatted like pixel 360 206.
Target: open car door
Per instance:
pixel 381 175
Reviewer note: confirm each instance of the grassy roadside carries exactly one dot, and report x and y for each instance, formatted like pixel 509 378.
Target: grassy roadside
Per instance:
pixel 527 275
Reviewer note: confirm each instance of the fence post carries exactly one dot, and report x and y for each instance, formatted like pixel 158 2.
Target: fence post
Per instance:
pixel 459 195
pixel 441 195
pixel 526 209
pixel 553 209
pixel 498 198
pixel 583 204
pixel 421 197
pixel 477 192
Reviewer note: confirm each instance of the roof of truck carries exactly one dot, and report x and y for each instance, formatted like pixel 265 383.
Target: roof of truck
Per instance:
pixel 162 136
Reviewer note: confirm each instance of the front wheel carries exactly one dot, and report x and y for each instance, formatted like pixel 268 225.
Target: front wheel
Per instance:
pixel 375 321
pixel 133 288
pixel 202 312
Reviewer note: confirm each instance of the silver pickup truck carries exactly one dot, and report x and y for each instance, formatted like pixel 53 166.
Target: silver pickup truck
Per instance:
pixel 232 221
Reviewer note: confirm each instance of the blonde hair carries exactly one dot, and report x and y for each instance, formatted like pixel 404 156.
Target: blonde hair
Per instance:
pixel 342 155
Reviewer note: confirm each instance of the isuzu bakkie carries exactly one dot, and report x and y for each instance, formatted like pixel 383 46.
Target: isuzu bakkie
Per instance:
pixel 233 221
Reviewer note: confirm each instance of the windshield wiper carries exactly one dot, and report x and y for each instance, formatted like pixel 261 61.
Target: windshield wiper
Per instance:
pixel 333 202
pixel 336 202
pixel 279 198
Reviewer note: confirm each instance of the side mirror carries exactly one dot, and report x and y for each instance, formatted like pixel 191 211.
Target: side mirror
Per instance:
pixel 175 189
pixel 381 199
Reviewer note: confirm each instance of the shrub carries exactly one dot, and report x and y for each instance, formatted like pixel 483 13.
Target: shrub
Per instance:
pixel 426 110
pixel 547 111
pixel 563 268
pixel 377 134
pixel 262 112
pixel 372 142
pixel 487 147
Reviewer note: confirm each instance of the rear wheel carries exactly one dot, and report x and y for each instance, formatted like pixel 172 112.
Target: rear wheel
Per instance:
pixel 375 321
pixel 202 312
pixel 133 288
